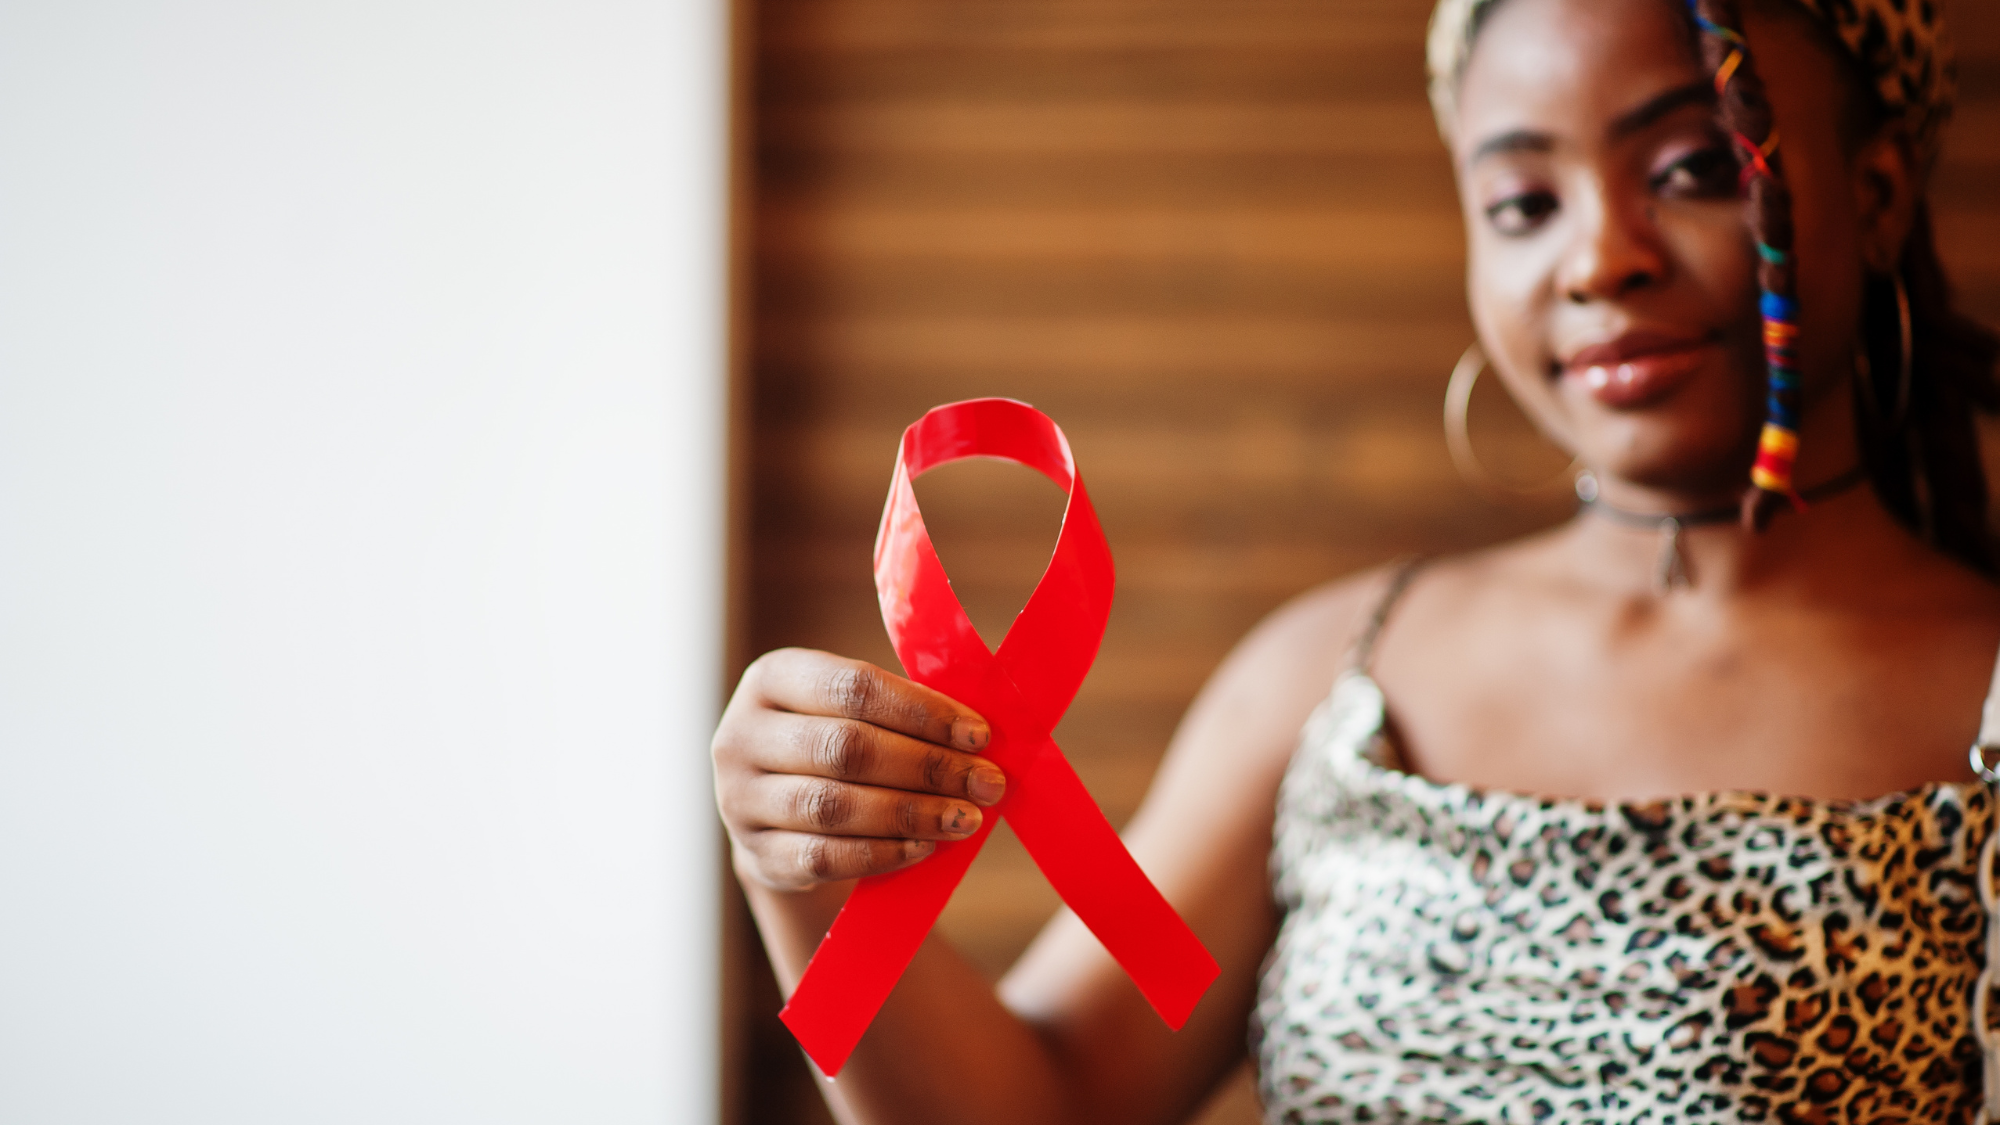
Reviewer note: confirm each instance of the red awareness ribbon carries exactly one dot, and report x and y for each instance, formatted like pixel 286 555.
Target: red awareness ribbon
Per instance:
pixel 1022 690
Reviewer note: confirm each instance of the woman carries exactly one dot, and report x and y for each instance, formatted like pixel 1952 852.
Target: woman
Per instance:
pixel 1445 946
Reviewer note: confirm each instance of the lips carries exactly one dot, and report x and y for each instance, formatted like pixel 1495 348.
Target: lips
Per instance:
pixel 1638 368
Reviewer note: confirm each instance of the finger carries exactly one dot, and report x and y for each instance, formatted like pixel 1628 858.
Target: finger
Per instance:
pixel 801 859
pixel 820 683
pixel 848 750
pixel 838 808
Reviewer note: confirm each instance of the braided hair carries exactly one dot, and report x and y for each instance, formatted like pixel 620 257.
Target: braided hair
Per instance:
pixel 1918 439
pixel 1925 465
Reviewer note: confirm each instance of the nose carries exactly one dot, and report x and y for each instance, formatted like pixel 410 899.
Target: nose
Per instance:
pixel 1615 252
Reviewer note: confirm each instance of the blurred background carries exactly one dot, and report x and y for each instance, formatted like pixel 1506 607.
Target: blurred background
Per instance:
pixel 1219 244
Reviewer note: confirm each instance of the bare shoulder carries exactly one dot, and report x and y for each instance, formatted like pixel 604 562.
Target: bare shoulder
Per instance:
pixel 1946 585
pixel 1249 714
pixel 1946 613
pixel 1230 751
pixel 1503 572
pixel 1302 645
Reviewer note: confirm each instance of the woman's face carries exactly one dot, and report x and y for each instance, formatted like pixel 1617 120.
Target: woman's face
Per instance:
pixel 1611 273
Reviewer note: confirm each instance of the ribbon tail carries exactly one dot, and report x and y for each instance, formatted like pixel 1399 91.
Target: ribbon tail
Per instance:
pixel 1083 858
pixel 869 945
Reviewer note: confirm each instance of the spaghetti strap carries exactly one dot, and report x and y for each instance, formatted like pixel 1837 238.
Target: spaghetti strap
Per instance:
pixel 1363 659
pixel 1989 717
pixel 1989 902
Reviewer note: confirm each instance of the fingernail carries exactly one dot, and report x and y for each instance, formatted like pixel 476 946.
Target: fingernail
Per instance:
pixel 917 849
pixel 970 734
pixel 961 820
pixel 986 785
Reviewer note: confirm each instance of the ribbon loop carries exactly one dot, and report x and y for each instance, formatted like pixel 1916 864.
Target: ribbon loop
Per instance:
pixel 1022 690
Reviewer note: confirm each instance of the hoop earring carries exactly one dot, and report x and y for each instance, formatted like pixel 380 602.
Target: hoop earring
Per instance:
pixel 1458 437
pixel 1907 351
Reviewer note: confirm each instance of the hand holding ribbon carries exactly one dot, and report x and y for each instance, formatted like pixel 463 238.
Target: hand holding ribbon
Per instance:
pixel 1022 690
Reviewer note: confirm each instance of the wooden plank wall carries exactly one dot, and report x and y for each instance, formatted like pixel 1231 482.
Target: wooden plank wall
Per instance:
pixel 1218 242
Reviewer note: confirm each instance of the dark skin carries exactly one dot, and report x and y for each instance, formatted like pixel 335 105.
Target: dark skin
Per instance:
pixel 1833 656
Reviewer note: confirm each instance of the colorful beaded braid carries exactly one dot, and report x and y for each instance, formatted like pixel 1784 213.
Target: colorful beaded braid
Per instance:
pixel 1746 112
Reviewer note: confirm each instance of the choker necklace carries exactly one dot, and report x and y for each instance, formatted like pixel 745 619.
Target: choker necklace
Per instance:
pixel 1672 572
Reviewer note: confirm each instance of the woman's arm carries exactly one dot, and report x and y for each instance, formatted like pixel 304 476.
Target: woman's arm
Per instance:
pixel 1067 1037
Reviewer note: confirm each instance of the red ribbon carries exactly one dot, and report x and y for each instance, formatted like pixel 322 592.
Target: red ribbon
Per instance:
pixel 1022 690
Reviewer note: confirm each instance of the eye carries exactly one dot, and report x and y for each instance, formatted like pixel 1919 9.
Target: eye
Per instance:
pixel 1521 214
pixel 1706 172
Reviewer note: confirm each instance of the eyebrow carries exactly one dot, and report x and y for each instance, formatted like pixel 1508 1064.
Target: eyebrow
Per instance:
pixel 1700 92
pixel 1516 140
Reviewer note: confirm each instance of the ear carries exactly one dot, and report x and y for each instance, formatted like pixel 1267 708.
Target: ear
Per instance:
pixel 1886 190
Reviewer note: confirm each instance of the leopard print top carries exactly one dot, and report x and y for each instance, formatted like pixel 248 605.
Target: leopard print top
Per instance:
pixel 1455 955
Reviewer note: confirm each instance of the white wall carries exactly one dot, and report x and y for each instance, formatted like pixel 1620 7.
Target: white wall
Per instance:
pixel 360 425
